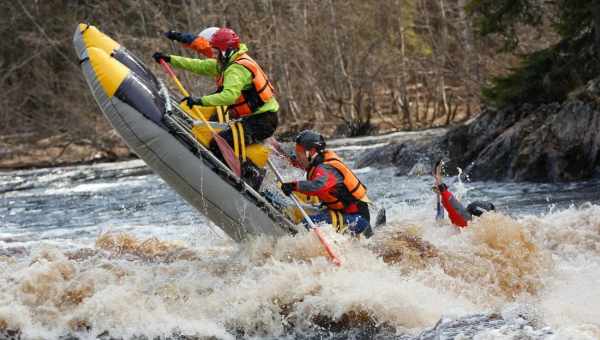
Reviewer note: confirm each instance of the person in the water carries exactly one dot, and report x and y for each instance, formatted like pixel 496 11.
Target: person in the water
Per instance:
pixel 458 214
pixel 336 186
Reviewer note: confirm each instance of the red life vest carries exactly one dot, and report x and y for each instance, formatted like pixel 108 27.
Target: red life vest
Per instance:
pixel 354 189
pixel 256 96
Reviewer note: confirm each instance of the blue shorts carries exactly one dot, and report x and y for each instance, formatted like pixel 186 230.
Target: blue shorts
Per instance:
pixel 355 223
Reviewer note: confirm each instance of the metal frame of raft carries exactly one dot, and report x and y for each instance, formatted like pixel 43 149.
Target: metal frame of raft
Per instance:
pixel 180 124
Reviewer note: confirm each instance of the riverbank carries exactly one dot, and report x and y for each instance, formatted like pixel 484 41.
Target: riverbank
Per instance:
pixel 21 151
pixel 555 142
pixel 26 152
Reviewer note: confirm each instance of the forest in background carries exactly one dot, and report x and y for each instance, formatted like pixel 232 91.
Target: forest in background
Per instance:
pixel 342 66
pixel 346 68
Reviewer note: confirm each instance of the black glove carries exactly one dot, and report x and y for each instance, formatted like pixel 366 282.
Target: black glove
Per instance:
pixel 288 187
pixel 191 101
pixel 294 162
pixel 158 56
pixel 185 38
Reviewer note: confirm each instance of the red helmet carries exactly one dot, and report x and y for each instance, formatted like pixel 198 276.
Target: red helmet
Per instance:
pixel 225 39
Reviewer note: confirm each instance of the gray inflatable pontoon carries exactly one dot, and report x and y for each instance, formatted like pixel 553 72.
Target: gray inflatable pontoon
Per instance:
pixel 140 109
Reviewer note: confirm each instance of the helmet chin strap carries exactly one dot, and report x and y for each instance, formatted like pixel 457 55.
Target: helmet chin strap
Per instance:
pixel 224 56
pixel 221 58
pixel 312 157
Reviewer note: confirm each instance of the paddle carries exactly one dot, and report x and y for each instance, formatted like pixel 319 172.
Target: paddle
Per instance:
pixel 278 149
pixel 312 225
pixel 224 147
pixel 437 175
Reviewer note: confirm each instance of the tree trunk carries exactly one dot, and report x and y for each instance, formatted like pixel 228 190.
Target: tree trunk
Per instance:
pixel 471 71
pixel 403 98
pixel 342 66
pixel 596 19
pixel 442 54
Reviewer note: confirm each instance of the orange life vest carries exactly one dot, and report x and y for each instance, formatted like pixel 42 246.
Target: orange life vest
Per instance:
pixel 354 189
pixel 253 98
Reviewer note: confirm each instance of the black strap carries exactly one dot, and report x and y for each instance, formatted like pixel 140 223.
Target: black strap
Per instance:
pixel 264 87
pixel 356 187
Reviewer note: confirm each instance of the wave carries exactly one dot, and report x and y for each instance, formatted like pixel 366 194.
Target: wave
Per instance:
pixel 410 276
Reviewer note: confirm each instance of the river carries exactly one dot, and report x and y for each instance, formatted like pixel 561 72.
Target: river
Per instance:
pixel 109 250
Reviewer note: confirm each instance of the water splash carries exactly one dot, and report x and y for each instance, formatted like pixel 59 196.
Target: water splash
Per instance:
pixel 269 287
pixel 503 277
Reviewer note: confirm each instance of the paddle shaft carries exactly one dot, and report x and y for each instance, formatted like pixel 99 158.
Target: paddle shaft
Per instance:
pixel 437 173
pixel 312 225
pixel 276 147
pixel 225 148
pixel 183 91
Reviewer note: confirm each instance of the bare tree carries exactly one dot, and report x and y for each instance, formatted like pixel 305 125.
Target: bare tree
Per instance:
pixel 352 64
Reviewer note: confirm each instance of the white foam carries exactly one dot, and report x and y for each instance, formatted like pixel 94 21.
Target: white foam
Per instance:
pixel 263 286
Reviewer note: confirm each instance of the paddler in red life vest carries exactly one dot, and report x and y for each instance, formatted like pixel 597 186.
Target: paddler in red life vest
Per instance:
pixel 336 186
pixel 241 83
pixel 459 216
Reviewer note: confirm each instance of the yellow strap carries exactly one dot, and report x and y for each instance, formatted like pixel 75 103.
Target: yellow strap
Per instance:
pixel 342 226
pixel 334 221
pixel 220 114
pixel 242 140
pixel 337 221
pixel 236 146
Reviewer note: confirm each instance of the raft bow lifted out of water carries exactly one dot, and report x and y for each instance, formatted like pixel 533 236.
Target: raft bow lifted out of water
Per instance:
pixel 153 125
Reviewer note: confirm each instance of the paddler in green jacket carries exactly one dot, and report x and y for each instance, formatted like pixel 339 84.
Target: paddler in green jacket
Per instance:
pixel 242 85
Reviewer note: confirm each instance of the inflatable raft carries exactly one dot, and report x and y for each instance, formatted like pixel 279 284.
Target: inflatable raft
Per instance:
pixel 160 132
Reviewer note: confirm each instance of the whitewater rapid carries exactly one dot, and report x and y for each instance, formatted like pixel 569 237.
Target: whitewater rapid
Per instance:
pixel 110 250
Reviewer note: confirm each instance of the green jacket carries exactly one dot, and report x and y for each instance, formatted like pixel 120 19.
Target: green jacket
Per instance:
pixel 235 79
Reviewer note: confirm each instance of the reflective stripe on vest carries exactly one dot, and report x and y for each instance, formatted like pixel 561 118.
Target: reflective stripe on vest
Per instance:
pixel 353 185
pixel 252 99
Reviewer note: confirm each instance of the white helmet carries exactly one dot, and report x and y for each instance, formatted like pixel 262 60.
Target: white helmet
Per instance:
pixel 202 43
pixel 207 33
